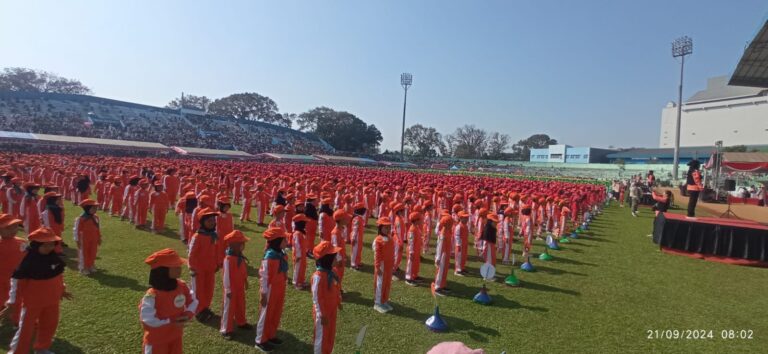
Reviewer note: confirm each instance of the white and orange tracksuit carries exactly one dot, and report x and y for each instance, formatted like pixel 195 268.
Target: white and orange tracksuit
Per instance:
pixel 460 239
pixel 158 311
pixel 413 262
pixel 30 213
pixel 204 261
pixel 88 237
pixel 326 298
pixel 159 203
pixel 299 257
pixel 272 286
pixel 356 237
pixel 383 257
pixel 442 257
pixel 40 308
pixel 235 282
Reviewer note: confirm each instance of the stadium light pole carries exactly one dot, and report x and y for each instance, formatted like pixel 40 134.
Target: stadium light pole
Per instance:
pixel 406 80
pixel 680 48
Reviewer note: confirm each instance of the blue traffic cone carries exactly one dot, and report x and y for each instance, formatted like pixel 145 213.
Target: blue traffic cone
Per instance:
pixel 527 266
pixel 575 234
pixel 552 243
pixel 482 297
pixel 435 323
pixel 585 226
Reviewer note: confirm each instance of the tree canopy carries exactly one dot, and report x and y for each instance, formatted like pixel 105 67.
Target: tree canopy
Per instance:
pixel 423 141
pixel 190 101
pixel 30 80
pixel 522 150
pixel 249 106
pixel 343 130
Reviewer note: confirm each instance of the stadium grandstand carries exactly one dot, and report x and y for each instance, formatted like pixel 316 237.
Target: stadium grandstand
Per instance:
pixel 95 117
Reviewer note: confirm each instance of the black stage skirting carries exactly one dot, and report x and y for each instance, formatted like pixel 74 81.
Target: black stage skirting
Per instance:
pixel 737 239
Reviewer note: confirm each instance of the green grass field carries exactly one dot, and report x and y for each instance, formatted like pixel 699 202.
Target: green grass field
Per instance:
pixel 601 293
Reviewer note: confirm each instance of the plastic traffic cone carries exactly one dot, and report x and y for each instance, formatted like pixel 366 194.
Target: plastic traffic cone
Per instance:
pixel 527 266
pixel 545 256
pixel 482 297
pixel 511 279
pixel 435 323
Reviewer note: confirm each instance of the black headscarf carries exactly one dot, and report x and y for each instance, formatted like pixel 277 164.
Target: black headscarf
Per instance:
pixel 311 211
pixel 280 200
pixel 208 232
pixel 159 279
pixel 300 226
pixel 489 232
pixel 83 184
pixel 190 205
pixel 326 262
pixel 39 266
pixel 54 209
pixel 325 208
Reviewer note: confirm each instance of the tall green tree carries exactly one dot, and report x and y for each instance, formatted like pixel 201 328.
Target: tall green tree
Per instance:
pixel 469 142
pixel 30 80
pixel 343 130
pixel 247 106
pixel 522 150
pixel 191 101
pixel 497 144
pixel 423 141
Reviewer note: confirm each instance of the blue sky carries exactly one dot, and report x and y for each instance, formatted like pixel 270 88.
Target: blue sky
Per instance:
pixel 586 72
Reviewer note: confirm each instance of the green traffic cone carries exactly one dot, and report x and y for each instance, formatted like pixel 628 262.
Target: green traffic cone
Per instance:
pixel 511 279
pixel 565 239
pixel 545 256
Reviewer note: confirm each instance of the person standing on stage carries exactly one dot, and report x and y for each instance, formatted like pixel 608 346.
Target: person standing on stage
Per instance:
pixel 694 186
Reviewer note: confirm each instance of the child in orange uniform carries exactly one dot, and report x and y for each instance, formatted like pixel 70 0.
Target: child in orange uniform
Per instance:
pixel 28 209
pixel 88 236
pixel 167 306
pixel 383 258
pixel 414 240
pixel 357 230
pixel 235 283
pixel 158 203
pixel 489 235
pixel 224 223
pixel 204 263
pixel 53 214
pixel 442 255
pixel 299 241
pixel 326 298
pixel 273 276
pixel 12 251
pixel 40 278
pixel 141 205
pixel 460 239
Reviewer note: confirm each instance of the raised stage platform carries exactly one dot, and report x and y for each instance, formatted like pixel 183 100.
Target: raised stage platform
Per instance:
pixel 742 242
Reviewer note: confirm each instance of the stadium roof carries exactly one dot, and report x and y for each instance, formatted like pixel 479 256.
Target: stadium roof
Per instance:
pixel 73 140
pixel 719 89
pixel 746 161
pixel 193 151
pixel 288 157
pixel 399 164
pixel 685 152
pixel 752 69
pixel 344 159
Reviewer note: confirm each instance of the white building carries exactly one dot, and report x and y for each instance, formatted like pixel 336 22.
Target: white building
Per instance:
pixel 737 115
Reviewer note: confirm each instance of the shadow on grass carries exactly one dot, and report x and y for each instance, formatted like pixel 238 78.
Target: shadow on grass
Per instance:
pixel 455 324
pixel 558 259
pixel 71 258
pixel 117 281
pixel 554 271
pixel 59 345
pixel 500 300
pixel 542 287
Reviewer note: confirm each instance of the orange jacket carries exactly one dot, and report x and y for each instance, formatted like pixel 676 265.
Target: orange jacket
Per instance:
pixel 203 253
pixel 12 251
pixel 383 252
pixel 86 229
pixel 235 274
pixel 158 201
pixel 326 296
pixel 696 185
pixel 158 310
pixel 326 225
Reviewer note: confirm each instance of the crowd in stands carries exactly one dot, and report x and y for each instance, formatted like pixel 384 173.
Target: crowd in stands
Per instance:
pixel 108 119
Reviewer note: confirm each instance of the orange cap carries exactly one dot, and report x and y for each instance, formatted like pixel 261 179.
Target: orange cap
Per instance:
pixel 300 217
pixel 273 233
pixel 165 258
pixel 359 206
pixel 235 236
pixel 43 234
pixel 339 215
pixel 446 220
pixel 383 221
pixel 223 200
pixel 326 201
pixel 324 248
pixel 398 207
pixel 493 217
pixel 8 220
pixel 278 209
pixel 88 202
pixel 463 214
pixel 51 194
pixel 414 216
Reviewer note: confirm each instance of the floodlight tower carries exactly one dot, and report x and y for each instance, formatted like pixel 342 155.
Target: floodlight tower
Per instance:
pixel 406 80
pixel 680 48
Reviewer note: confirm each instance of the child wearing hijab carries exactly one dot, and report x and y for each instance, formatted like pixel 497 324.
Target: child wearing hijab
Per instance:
pixel 204 263
pixel 273 277
pixel 52 215
pixel 28 209
pixel 326 297
pixel 224 222
pixel 235 283
pixel 299 254
pixel 40 278
pixel 12 251
pixel 489 237
pixel 383 259
pixel 167 306
pixel 87 236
